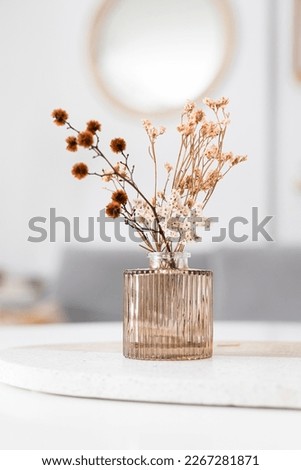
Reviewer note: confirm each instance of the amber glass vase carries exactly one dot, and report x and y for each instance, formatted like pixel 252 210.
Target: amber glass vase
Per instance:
pixel 167 310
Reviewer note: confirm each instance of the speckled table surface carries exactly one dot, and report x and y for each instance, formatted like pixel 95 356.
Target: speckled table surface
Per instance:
pixel 254 363
pixel 256 374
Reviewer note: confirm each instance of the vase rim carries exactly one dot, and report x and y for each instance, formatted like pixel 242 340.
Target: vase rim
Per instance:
pixel 169 255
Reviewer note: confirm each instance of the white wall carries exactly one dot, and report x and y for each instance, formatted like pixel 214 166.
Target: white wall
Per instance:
pixel 44 64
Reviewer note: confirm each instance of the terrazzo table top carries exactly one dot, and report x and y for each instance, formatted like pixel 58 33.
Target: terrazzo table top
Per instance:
pixel 255 374
pixel 261 350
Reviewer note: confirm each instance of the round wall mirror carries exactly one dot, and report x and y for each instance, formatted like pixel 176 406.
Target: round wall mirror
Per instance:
pixel 150 56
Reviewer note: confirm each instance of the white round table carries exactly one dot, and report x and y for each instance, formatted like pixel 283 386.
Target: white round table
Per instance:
pixel 31 420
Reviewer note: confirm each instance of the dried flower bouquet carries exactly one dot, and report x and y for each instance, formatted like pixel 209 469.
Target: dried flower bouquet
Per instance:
pixel 167 219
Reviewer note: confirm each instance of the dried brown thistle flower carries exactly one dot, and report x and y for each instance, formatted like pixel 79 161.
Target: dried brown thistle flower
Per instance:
pixel 85 139
pixel 60 116
pixel 72 143
pixel 118 145
pixel 113 209
pixel 80 170
pixel 120 196
pixel 93 126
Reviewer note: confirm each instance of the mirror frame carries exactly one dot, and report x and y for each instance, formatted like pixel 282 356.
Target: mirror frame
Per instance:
pixel 100 16
pixel 297 40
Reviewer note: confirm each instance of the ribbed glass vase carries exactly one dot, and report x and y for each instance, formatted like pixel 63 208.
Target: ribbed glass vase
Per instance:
pixel 167 310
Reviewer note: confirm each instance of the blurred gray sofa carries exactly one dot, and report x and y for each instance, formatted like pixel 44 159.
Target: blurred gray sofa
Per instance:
pixel 249 283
